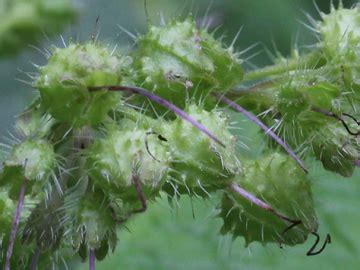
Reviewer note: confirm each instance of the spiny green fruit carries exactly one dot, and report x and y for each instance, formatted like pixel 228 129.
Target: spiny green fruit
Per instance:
pixel 23 22
pixel 179 60
pixel 125 151
pixel 340 31
pixel 89 222
pixel 340 35
pixel 36 156
pixel 31 159
pixel 276 180
pixel 305 109
pixel 337 151
pixel 22 253
pixel 63 83
pixel 199 164
pixel 302 110
pixel 34 122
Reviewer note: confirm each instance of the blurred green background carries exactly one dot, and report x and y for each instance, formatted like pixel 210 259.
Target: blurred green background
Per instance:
pixel 165 238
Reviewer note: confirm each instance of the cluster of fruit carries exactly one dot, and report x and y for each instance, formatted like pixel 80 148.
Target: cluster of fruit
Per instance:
pixel 110 133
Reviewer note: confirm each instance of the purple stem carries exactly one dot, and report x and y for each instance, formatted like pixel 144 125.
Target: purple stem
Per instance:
pixel 242 192
pixel 357 163
pixel 35 259
pixel 267 130
pixel 92 259
pixel 15 225
pixel 163 102
pixel 140 195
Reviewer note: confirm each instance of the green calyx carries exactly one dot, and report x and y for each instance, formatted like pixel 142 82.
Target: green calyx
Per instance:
pixel 126 152
pixel 63 83
pixel 32 160
pixel 180 60
pixel 340 31
pixel 34 122
pixel 36 157
pixel 276 180
pixel 340 35
pixel 200 165
pixel 91 225
pixel 337 151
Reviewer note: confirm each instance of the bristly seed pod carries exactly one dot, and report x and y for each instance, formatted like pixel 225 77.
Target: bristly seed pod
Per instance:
pixel 125 151
pixel 63 83
pixel 33 160
pixel 275 179
pixel 179 61
pixel 199 165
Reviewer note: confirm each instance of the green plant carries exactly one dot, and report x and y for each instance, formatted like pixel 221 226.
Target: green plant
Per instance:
pixel 109 133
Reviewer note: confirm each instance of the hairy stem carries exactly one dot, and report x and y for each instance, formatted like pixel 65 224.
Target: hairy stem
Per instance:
pixel 267 130
pixel 163 102
pixel 15 225
pixel 92 259
pixel 140 195
pixel 250 197
pixel 35 259
pixel 310 59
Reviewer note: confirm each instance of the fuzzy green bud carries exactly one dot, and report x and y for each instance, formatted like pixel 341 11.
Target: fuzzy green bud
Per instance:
pixel 199 164
pixel 340 31
pixel 179 60
pixel 125 152
pixel 275 179
pixel 36 157
pixel 63 83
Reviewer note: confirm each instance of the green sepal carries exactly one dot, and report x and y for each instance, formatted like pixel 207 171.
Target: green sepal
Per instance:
pixel 336 148
pixel 179 60
pixel 13 178
pixel 102 251
pixel 91 223
pixel 37 157
pixel 276 180
pixel 63 83
pixel 113 160
pixel 199 164
pixel 34 122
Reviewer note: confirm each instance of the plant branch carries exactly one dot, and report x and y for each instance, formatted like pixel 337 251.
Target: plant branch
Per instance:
pixel 161 101
pixel 250 197
pixel 267 130
pixel 292 64
pixel 15 225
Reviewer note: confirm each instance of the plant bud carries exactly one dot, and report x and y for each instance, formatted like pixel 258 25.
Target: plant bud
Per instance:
pixel 179 60
pixel 125 152
pixel 199 164
pixel 63 83
pixel 276 180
